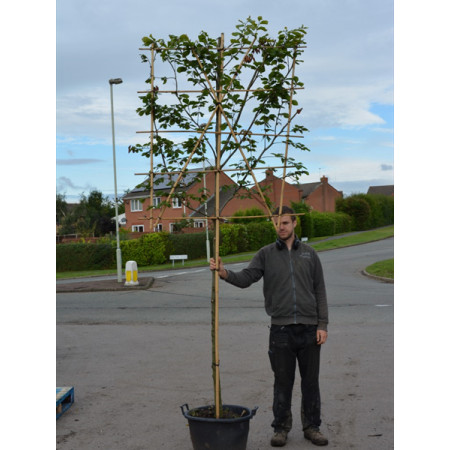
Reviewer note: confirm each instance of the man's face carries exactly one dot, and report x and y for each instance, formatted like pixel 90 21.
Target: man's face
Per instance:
pixel 286 229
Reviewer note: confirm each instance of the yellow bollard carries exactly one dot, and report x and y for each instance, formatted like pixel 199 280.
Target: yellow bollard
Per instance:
pixel 131 274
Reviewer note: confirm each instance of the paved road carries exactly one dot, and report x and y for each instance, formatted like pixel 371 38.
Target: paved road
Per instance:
pixel 135 357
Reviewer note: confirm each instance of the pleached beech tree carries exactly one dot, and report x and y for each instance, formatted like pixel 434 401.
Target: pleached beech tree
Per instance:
pixel 225 107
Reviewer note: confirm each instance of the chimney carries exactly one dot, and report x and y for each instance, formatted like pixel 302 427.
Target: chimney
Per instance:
pixel 324 181
pixel 269 173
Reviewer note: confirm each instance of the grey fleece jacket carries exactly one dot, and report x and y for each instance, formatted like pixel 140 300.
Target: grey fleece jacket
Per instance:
pixel 294 287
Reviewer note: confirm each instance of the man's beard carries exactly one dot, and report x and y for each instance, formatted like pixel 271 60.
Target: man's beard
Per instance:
pixel 286 238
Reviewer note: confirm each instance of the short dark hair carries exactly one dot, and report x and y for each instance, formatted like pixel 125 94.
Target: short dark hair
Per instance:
pixel 285 211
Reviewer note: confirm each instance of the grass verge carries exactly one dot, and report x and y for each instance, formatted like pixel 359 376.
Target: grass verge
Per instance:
pixel 355 239
pixel 320 244
pixel 383 269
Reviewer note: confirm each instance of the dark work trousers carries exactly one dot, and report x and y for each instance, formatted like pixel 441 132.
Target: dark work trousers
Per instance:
pixel 288 345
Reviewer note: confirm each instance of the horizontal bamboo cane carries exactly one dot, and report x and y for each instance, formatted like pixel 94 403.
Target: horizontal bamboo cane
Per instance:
pixel 221 217
pixel 215 48
pixel 221 132
pixel 190 91
pixel 214 170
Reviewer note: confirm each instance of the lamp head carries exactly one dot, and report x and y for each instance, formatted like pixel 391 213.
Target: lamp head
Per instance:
pixel 115 81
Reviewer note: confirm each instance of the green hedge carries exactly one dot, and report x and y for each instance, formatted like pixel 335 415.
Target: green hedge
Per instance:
pixel 84 257
pixel 233 239
pixel 367 211
pixel 193 244
pixel 317 224
pixel 260 234
pixel 148 250
pixel 323 224
pixel 343 222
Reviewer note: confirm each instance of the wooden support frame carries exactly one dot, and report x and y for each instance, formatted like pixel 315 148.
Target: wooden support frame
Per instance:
pixel 217 94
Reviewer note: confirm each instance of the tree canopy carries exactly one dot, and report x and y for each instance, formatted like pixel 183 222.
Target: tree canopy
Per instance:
pixel 236 103
pixel 92 216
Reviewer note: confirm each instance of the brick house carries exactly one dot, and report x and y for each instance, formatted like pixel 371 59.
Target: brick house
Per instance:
pixel 137 203
pixel 320 196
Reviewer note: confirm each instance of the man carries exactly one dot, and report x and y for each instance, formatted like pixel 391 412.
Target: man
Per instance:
pixel 295 298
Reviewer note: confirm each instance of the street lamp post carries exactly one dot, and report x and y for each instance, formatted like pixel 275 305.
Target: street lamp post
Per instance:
pixel 118 252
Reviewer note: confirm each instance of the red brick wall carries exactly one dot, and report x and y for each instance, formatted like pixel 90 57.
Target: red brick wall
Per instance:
pixel 323 199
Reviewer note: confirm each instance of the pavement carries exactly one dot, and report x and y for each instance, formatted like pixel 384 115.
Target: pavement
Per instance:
pixel 102 284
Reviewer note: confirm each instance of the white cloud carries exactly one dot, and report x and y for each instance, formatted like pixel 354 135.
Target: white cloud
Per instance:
pixel 342 106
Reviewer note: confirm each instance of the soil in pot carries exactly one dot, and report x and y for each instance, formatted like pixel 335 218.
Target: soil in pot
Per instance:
pixel 209 412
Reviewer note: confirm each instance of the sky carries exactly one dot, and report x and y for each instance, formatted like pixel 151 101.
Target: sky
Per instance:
pixel 348 73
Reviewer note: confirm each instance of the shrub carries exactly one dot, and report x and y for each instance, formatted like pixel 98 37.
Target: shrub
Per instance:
pixel 307 225
pixel 260 234
pixel 191 244
pixel 387 208
pixel 248 212
pixel 376 213
pixel 241 236
pixel 228 239
pixel 84 257
pixel 324 224
pixel 343 222
pixel 304 223
pixel 358 209
pixel 149 249
pixel 367 211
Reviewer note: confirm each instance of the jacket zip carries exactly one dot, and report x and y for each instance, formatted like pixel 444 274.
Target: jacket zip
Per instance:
pixel 293 286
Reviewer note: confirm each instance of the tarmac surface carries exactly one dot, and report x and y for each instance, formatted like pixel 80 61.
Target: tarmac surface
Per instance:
pixel 135 355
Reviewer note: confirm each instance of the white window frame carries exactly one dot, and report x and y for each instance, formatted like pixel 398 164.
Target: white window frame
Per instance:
pixel 158 228
pixel 156 202
pixel 171 225
pixel 199 223
pixel 176 203
pixel 135 205
pixel 137 228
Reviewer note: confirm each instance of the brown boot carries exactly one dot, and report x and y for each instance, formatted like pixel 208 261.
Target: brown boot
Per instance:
pixel 279 439
pixel 315 436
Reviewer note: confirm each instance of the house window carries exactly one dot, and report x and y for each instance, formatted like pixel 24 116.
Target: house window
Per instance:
pixel 138 228
pixel 199 224
pixel 156 201
pixel 176 203
pixel 171 227
pixel 136 205
pixel 158 227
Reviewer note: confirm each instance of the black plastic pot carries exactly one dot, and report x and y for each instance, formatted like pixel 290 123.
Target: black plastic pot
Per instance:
pixel 219 434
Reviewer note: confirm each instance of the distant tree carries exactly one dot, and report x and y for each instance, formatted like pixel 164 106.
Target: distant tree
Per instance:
pixel 61 208
pixel 92 216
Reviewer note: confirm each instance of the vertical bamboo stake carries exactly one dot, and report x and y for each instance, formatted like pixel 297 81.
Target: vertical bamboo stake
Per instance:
pixel 217 232
pixel 287 139
pixel 152 76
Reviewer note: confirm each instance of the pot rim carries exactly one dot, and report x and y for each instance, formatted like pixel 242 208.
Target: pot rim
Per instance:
pixel 247 417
